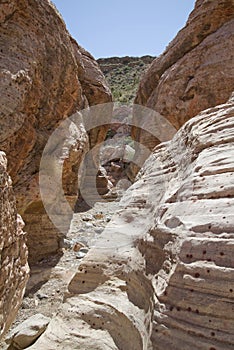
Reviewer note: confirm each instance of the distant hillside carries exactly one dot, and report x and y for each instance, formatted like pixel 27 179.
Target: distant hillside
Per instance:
pixel 123 75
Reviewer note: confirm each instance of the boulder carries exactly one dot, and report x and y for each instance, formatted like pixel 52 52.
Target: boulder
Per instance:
pixel 27 332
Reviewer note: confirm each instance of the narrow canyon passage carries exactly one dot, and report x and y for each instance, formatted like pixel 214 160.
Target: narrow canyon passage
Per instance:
pixel 154 264
pixel 116 184
pixel 47 287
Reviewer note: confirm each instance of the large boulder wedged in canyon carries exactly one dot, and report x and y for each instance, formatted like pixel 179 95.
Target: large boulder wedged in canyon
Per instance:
pixel 14 268
pixel 196 70
pixel 161 274
pixel 45 78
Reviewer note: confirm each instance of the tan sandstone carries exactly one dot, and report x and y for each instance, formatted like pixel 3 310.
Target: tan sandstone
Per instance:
pixel 45 78
pixel 195 71
pixel 161 274
pixel 14 268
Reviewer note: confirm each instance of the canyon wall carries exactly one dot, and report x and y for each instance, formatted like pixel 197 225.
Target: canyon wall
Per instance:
pixel 195 71
pixel 161 274
pixel 45 78
pixel 14 268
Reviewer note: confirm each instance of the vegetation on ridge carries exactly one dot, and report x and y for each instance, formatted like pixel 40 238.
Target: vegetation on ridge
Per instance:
pixel 123 75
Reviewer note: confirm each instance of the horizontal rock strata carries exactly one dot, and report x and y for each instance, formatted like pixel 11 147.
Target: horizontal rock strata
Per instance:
pixel 161 274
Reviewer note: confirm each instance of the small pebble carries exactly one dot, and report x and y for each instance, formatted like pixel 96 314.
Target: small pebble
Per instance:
pixel 67 244
pixel 98 216
pixel 80 255
pixel 77 246
pixel 99 229
pixel 42 296
pixel 84 250
pixel 87 217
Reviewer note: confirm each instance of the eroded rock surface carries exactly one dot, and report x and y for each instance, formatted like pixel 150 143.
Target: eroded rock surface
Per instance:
pixel 27 332
pixel 45 78
pixel 161 274
pixel 13 252
pixel 196 70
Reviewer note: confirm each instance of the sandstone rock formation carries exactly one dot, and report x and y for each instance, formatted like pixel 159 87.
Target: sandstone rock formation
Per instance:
pixel 13 252
pixel 27 332
pixel 161 274
pixel 196 70
pixel 45 77
pixel 117 152
pixel 108 64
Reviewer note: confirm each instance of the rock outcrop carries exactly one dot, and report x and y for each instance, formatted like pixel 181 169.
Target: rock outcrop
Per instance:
pixel 27 332
pixel 196 70
pixel 110 63
pixel 161 274
pixel 14 269
pixel 45 78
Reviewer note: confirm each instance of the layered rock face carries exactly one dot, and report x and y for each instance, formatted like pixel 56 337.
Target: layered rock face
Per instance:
pixel 45 77
pixel 161 274
pixel 196 70
pixel 13 252
pixel 194 236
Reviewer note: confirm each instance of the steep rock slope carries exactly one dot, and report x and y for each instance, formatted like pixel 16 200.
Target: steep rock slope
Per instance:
pixel 45 77
pixel 13 252
pixel 196 70
pixel 161 274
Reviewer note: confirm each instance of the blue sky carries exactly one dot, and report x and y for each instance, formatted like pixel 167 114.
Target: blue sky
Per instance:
pixel 124 27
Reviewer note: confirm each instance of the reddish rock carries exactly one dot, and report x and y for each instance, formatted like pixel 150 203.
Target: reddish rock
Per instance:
pixel 14 270
pixel 45 77
pixel 196 70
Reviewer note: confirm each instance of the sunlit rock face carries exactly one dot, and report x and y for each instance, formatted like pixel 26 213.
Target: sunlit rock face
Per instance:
pixel 194 73
pixel 14 269
pixel 193 233
pixel 45 78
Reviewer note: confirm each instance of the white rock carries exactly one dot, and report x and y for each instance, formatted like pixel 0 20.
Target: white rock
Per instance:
pixel 161 274
pixel 28 331
pixel 87 217
pixel 99 229
pixel 88 225
pixel 80 255
pixel 42 296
